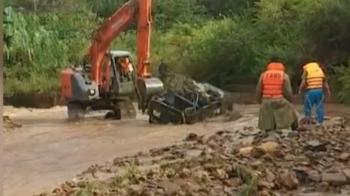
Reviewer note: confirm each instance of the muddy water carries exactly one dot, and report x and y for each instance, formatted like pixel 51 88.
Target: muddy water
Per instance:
pixel 47 150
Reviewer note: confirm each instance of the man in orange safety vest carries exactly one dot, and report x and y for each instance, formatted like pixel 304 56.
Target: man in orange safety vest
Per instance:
pixel 313 79
pixel 274 96
pixel 126 67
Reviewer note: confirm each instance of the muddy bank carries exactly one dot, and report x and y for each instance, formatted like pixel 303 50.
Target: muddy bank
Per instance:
pixel 228 163
pixel 34 100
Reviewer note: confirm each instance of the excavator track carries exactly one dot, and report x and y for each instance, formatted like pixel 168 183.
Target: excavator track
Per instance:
pixel 127 109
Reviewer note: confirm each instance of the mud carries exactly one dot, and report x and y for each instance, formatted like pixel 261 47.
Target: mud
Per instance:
pixel 9 125
pixel 35 100
pixel 47 150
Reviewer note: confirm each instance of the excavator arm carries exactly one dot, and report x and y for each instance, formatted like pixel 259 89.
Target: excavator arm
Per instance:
pixel 134 10
pixel 109 30
pixel 143 37
pixel 139 10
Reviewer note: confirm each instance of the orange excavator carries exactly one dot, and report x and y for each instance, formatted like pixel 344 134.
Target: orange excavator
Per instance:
pixel 108 78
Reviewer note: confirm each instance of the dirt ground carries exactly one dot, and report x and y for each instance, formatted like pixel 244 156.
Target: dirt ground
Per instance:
pixel 47 150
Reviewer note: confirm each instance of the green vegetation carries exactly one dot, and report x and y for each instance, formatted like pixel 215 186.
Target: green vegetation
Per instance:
pixel 199 38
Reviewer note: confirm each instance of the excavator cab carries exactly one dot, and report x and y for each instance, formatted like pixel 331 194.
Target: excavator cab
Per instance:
pixel 122 73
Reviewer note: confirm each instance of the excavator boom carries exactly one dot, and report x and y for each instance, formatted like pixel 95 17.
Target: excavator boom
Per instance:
pixel 139 10
pixel 109 30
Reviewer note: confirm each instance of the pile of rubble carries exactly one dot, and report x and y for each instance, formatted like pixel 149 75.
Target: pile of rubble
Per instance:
pixel 186 101
pixel 186 86
pixel 239 163
pixel 9 125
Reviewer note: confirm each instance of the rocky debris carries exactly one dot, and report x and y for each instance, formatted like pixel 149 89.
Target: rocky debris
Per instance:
pixel 308 121
pixel 219 165
pixel 191 101
pixel 201 93
pixel 344 157
pixel 9 125
pixel 334 178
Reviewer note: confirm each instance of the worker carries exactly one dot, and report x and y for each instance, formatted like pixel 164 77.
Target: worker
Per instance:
pixel 274 93
pixel 162 69
pixel 313 79
pixel 126 67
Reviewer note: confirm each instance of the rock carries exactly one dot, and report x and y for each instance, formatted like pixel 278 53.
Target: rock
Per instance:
pixel 334 178
pixel 315 145
pixel 191 137
pixel 235 182
pixel 316 177
pixel 220 174
pixel 216 148
pixel 344 156
pixel 347 174
pixel 262 184
pixel 169 187
pixel 272 137
pixel 302 160
pixel 270 176
pixel 289 180
pixel 269 147
pixel 185 173
pixel 265 193
pixel 293 134
pixel 258 165
pixel 245 151
pixel 202 176
pixel 322 187
pixel 304 177
pixel 289 157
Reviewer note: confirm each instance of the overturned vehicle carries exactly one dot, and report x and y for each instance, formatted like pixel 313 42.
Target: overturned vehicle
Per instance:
pixel 186 102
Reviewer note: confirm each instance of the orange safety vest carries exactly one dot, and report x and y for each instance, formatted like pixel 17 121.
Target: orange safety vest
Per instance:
pixel 272 82
pixel 275 66
pixel 315 76
pixel 126 66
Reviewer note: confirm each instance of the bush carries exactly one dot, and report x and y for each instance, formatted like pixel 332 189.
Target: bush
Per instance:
pixel 341 84
pixel 40 46
pixel 198 38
